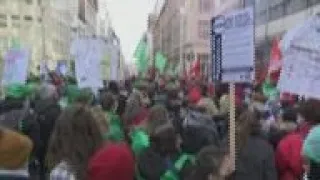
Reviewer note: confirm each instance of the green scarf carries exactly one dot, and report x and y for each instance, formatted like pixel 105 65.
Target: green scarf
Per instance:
pixel 270 91
pixel 140 140
pixel 116 130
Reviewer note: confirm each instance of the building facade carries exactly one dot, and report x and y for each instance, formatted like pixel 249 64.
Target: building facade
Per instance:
pixel 39 26
pixel 272 19
pixel 84 17
pixel 182 31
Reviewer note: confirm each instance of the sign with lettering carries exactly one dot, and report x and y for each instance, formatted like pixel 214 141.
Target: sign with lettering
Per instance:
pixel 235 31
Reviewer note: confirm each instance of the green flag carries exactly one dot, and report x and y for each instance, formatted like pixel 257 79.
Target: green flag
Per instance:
pixel 161 62
pixel 141 55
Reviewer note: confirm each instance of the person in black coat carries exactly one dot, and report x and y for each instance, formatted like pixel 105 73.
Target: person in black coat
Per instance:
pixel 255 158
pixel 48 110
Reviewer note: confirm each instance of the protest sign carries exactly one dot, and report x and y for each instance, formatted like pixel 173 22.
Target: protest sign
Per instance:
pixel 233 46
pixel 88 54
pixel 301 60
pixel 15 66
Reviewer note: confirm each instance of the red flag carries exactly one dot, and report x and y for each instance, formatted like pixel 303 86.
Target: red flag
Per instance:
pixel 195 70
pixel 275 56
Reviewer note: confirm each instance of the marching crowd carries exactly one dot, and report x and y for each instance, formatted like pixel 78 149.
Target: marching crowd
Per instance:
pixel 143 129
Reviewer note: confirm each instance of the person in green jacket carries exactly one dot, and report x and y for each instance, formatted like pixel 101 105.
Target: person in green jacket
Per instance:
pixel 109 106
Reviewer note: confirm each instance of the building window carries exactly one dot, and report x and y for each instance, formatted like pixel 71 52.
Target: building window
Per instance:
pixel 205 6
pixel 276 11
pixel 28 18
pixel 15 17
pixel 313 2
pixel 249 3
pixel 203 29
pixel 3 24
pixel 29 2
pixel 294 6
pixel 3 17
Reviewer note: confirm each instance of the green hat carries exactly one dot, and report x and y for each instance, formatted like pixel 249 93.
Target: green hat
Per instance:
pixel 311 145
pixel 18 91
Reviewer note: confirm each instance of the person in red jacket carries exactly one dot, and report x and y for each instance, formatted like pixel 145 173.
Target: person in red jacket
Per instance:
pixel 289 161
pixel 112 162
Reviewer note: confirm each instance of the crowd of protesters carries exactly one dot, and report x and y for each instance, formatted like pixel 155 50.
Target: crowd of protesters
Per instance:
pixel 146 129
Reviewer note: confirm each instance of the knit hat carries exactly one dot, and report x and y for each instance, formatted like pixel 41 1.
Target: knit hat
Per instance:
pixel 112 162
pixel 311 145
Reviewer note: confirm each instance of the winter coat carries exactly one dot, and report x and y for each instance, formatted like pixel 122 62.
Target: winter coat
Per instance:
pixel 288 154
pixel 47 112
pixel 153 166
pixel 256 161
pixel 17 115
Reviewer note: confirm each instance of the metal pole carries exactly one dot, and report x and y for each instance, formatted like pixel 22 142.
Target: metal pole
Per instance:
pixel 43 34
pixel 181 52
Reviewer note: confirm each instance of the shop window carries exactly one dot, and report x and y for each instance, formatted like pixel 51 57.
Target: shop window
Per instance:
pixel 203 29
pixel 294 6
pixel 313 2
pixel 276 11
pixel 28 18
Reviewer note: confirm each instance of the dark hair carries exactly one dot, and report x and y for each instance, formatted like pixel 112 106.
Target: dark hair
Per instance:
pixel 113 87
pixel 208 161
pixel 75 138
pixel 247 123
pixel 289 114
pixel 107 101
pixel 157 116
pixel 164 139
pixel 314 173
pixel 310 110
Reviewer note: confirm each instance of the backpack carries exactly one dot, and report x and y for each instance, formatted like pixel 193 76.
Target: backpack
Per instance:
pixel 198 130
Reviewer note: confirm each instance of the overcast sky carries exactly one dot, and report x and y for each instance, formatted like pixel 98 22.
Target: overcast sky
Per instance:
pixel 129 19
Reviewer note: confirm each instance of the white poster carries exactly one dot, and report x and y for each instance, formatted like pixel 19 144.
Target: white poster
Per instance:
pixel 15 66
pixel 237 38
pixel 88 54
pixel 301 74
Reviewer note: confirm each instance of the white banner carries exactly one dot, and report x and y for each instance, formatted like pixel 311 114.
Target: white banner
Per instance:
pixel 88 54
pixel 301 60
pixel 237 39
pixel 15 66
pixel 300 74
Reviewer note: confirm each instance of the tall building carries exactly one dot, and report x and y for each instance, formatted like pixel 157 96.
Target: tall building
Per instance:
pixel 104 25
pixel 182 30
pixel 37 25
pixel 84 15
